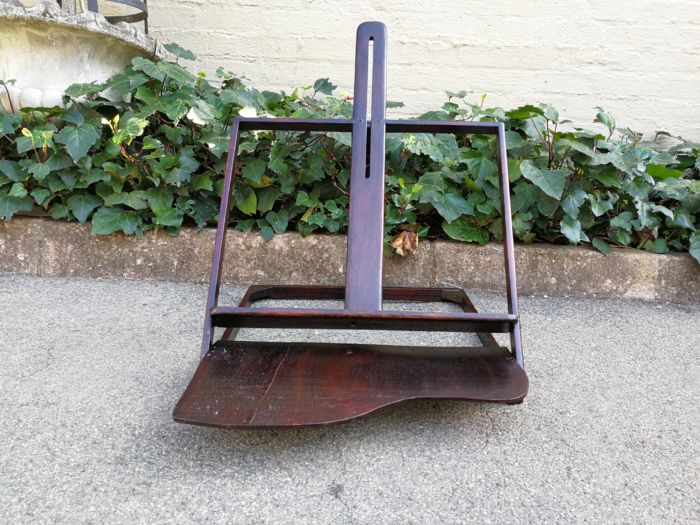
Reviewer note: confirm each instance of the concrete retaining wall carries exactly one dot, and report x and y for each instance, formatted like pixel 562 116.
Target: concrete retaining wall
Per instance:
pixel 52 248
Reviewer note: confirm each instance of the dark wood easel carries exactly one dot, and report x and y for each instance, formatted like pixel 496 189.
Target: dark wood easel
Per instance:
pixel 254 384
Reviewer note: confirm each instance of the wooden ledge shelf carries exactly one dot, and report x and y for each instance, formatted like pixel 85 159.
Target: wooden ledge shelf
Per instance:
pixel 253 384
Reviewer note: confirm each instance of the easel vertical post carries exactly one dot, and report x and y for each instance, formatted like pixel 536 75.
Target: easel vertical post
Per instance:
pixel 366 225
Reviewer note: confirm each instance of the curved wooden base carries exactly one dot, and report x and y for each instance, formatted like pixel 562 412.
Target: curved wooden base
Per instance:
pixel 252 384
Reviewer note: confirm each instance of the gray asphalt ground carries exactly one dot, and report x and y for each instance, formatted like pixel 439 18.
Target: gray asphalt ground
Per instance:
pixel 91 370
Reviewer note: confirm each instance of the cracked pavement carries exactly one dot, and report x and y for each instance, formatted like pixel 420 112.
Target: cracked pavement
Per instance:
pixel 91 370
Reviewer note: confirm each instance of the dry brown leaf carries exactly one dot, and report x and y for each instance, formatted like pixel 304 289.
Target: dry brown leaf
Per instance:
pixel 405 243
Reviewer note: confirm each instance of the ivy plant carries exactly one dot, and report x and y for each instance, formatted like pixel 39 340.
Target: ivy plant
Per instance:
pixel 147 149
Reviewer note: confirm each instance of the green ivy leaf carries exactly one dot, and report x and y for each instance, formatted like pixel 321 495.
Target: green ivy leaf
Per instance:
pixel 40 195
pixel 78 139
pixel 132 128
pixel 304 199
pixel 573 201
pixel 623 221
pixel 522 224
pixel 278 156
pixel 133 199
pixel 124 83
pixel 245 199
pixel 8 123
pixel 254 170
pixel 684 219
pixel 601 246
pixel 82 205
pixel 240 97
pixel 175 105
pixel 39 171
pixel 463 230
pixel 186 166
pixel 270 100
pixel 317 219
pixel 159 198
pixel 605 118
pixel 10 205
pixel 437 147
pixel 694 248
pixel 180 52
pixel 662 172
pixel 547 205
pixel 149 96
pixel 620 237
pixel 607 175
pixel 11 170
pixel 74 115
pixel 177 73
pixel 169 217
pixel 24 144
pixel 325 86
pixel 599 206
pixel 513 170
pixel 658 246
pixel 267 198
pixel 59 211
pixel 109 220
pixel 245 225
pixel 571 228
pixel 151 143
pixel 448 203
pixel 550 112
pixel 662 209
pixel 18 190
pixel 535 127
pixel 392 104
pixel 278 220
pixel 637 188
pixel 81 90
pixel 56 183
pixel 313 171
pixel 524 112
pixel 201 113
pixel 551 182
pixel 149 67
pixel 514 140
pixel 266 232
pixel 202 182
pixel 483 169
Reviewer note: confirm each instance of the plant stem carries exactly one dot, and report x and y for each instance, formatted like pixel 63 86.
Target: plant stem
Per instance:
pixel 9 99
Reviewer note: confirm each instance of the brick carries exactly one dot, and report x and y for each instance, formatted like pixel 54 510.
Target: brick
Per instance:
pixel 575 55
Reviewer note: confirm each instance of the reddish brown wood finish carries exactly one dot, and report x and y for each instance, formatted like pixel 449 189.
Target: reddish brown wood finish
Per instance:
pixel 350 319
pixel 245 384
pixel 363 284
pixel 257 384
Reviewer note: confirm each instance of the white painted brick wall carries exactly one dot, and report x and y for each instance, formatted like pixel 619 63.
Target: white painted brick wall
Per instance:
pixel 639 59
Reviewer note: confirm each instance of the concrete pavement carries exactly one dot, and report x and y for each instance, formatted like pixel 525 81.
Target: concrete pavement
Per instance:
pixel 91 370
